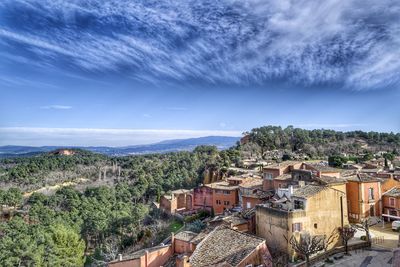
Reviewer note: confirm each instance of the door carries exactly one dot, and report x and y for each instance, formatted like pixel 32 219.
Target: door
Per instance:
pixel 372 210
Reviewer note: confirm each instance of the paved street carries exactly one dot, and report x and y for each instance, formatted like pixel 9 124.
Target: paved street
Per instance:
pixel 370 258
pixel 391 238
pixel 384 240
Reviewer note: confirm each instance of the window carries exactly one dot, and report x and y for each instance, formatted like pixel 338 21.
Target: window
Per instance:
pixel 248 205
pixel 268 176
pixel 226 192
pixel 315 225
pixel 392 201
pixel 218 202
pixel 296 227
pixel 226 203
pixel 371 193
pixel 298 205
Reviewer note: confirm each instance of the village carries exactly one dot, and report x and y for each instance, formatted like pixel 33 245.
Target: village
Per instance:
pixel 291 213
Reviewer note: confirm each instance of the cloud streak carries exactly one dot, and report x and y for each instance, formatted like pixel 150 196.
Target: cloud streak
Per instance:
pixel 61 107
pixel 354 44
pixel 98 136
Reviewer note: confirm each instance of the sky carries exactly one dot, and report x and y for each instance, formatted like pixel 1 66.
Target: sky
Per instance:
pixel 124 72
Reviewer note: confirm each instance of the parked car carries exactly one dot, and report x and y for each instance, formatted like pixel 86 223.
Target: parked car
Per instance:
pixel 395 225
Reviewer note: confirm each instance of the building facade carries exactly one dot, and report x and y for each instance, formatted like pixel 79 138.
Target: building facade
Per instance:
pixel 301 209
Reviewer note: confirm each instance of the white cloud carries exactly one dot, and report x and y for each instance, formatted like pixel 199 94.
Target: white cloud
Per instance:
pixel 98 136
pixel 352 43
pixel 62 107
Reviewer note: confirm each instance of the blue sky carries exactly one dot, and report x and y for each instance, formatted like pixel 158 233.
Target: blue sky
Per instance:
pixel 129 72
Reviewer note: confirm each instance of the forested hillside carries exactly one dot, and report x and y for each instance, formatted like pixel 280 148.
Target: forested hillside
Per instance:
pixel 96 219
pixel 301 143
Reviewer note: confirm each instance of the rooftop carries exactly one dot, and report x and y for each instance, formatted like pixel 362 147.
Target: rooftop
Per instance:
pixel 322 167
pixel 308 190
pixel 330 180
pixel 251 183
pixel 222 186
pixel 371 170
pixel 187 236
pixel 224 245
pixel 181 191
pixel 394 192
pixel 362 177
pixel 283 164
pixel 140 253
pixel 286 176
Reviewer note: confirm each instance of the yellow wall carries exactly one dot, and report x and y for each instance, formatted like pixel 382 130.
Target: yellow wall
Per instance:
pixel 322 209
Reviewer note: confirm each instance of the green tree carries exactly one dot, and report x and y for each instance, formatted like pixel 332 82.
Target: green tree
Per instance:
pixel 65 247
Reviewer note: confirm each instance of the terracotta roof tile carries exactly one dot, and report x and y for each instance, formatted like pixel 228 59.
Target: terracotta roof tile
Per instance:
pixel 308 190
pixel 394 192
pixel 224 245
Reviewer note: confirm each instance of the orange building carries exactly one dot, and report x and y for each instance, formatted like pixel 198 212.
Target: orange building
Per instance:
pixel 363 196
pixel 203 198
pixel 391 203
pixel 178 201
pixel 225 196
pixel 151 257
pixel 222 246
pixel 388 181
pixel 320 169
pixel 275 170
pixel 251 193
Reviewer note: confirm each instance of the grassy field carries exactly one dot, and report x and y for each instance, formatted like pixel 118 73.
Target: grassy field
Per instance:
pixel 175 226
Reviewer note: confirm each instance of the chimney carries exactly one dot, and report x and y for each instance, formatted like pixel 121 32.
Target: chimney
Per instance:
pixel 120 257
pixel 290 190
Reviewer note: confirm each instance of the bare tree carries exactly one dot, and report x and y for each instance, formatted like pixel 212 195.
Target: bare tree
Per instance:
pixel 332 238
pixel 346 233
pixel 108 252
pixel 365 224
pixel 277 257
pixel 308 245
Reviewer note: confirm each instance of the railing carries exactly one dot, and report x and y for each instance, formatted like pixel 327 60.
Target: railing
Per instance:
pixel 378 240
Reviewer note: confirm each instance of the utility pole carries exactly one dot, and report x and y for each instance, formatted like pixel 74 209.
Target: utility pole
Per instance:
pixel 341 210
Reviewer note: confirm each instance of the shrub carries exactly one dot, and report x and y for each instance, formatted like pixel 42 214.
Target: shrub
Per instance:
pixel 196 226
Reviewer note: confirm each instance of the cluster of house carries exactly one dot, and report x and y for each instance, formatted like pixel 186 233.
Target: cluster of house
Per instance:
pixel 254 215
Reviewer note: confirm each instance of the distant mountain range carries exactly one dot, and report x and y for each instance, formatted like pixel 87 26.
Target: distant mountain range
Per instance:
pixel 221 142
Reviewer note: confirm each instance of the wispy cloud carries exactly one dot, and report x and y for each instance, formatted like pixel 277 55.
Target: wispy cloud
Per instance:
pixel 56 107
pixel 354 44
pixel 147 115
pixel 98 136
